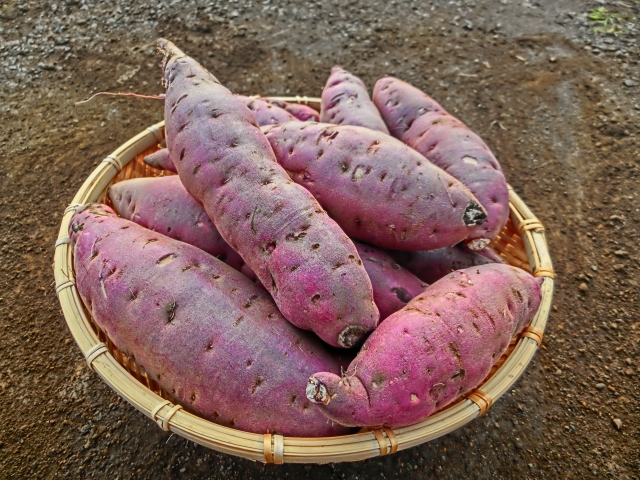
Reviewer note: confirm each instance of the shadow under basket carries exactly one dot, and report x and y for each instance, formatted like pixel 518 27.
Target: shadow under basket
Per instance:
pixel 522 243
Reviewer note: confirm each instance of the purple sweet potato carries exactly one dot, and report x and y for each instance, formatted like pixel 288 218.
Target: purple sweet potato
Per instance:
pixel 302 112
pixel 297 251
pixel 266 113
pixel 393 286
pixel 161 159
pixel 420 122
pixel 345 101
pixel 211 338
pixel 163 205
pixel 378 190
pixel 430 266
pixel 437 348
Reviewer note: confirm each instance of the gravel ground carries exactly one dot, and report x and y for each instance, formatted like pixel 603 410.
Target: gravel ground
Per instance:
pixel 556 100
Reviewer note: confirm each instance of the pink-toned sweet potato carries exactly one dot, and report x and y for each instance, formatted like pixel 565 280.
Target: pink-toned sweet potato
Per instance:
pixel 423 124
pixel 430 266
pixel 163 205
pixel 393 286
pixel 378 190
pixel 161 159
pixel 297 251
pixel 300 111
pixel 266 113
pixel 345 101
pixel 437 348
pixel 210 337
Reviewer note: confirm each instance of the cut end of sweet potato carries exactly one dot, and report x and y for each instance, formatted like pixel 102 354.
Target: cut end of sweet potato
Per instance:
pixel 351 335
pixel 474 214
pixel 478 244
pixel 317 391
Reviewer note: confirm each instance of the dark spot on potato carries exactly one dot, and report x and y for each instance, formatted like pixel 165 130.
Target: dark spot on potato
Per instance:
pixel 189 267
pixel 193 398
pixel 294 268
pixel 344 167
pixel 215 276
pixel 215 113
pixel 249 363
pixel 256 383
pixel 402 294
pixel 150 240
pixel 460 374
pixel 171 311
pixel 320 153
pixel 315 299
pixel 209 346
pixel 238 320
pixel 253 216
pixel 195 170
pixel 378 379
pixel 293 398
pixel 383 176
pixel 338 265
pixel 182 127
pixel 234 143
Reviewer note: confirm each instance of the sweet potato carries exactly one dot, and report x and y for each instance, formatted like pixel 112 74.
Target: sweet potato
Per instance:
pixel 423 124
pixel 297 251
pixel 430 266
pixel 163 205
pixel 393 286
pixel 161 159
pixel 266 113
pixel 437 348
pixel 302 112
pixel 378 190
pixel 345 101
pixel 211 338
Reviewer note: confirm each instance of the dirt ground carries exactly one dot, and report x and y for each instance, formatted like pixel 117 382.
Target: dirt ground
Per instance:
pixel 557 102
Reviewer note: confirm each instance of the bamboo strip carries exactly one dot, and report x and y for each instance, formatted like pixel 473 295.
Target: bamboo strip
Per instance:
pixel 127 378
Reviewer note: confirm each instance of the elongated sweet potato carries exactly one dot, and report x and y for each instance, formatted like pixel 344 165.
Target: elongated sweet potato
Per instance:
pixel 300 255
pixel 161 159
pixel 378 190
pixel 430 266
pixel 437 348
pixel 300 111
pixel 214 340
pixel 266 113
pixel 393 286
pixel 163 205
pixel 423 124
pixel 345 101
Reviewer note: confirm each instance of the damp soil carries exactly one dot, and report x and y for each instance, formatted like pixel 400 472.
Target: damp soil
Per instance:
pixel 558 103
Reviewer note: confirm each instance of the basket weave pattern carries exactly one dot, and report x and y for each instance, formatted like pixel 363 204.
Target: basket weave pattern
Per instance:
pixel 522 243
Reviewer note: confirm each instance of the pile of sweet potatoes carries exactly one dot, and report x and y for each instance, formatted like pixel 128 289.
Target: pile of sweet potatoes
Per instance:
pixel 280 233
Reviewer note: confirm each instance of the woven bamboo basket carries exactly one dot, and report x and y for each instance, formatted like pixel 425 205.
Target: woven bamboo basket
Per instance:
pixel 522 243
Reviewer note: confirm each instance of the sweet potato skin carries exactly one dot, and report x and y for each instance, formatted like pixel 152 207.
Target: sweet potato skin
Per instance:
pixel 430 266
pixel 378 190
pixel 423 124
pixel 345 101
pixel 393 286
pixel 161 159
pixel 437 348
pixel 302 112
pixel 266 113
pixel 300 255
pixel 163 205
pixel 214 340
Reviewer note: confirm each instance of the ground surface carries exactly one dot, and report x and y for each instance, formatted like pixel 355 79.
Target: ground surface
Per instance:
pixel 558 103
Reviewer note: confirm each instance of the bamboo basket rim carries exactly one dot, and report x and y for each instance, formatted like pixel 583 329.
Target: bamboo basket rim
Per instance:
pixel 277 449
